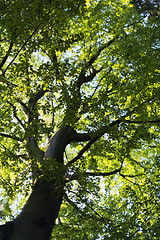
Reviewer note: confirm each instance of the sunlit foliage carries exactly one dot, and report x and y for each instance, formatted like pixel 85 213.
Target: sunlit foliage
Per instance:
pixel 93 65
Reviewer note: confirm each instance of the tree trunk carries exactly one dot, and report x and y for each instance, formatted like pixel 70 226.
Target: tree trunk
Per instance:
pixel 37 219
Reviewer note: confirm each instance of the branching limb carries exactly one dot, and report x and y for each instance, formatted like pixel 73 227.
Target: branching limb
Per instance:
pixel 15 114
pixel 6 56
pixel 82 77
pixel 55 62
pixel 85 79
pixel 36 155
pixel 36 96
pixel 99 133
pixel 110 70
pixel 21 48
pixel 132 159
pixel 79 137
pixel 96 55
pixel 70 103
pixel 145 121
pixel 75 101
pixel 11 136
pixel 132 176
pixel 24 107
pixel 32 102
pixel 61 139
pixel 103 174
pixel 96 136
pixel 88 206
pixel 34 150
pixel 97 174
pixel 97 86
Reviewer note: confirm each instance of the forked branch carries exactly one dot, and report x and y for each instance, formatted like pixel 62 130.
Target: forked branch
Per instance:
pixel 82 76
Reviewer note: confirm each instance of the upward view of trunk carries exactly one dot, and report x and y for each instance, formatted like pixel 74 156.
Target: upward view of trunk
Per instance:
pixel 37 218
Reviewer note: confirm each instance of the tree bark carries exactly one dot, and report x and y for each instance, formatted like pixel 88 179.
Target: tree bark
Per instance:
pixel 37 218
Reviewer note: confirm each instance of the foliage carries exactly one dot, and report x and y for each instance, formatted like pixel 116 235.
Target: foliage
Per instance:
pixel 95 66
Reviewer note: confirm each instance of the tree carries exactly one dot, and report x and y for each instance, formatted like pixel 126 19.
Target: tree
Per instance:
pixel 79 119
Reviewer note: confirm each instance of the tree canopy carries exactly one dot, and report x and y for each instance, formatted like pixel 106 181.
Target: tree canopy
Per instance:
pixel 93 65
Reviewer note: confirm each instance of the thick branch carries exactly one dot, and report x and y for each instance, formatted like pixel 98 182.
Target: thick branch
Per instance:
pixel 36 96
pixel 35 151
pixel 82 78
pixel 30 108
pixel 60 140
pixel 55 62
pixel 96 136
pixel 75 101
pixel 96 55
pixel 15 115
pixel 24 107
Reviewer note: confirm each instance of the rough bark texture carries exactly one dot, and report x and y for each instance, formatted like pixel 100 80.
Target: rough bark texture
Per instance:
pixel 37 219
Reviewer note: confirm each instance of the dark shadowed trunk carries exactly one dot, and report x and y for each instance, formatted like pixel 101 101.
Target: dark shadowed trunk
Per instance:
pixel 37 218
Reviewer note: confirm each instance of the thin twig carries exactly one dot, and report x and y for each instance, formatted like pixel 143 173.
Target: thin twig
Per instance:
pixel 145 121
pixel 5 112
pixel 104 174
pixel 10 136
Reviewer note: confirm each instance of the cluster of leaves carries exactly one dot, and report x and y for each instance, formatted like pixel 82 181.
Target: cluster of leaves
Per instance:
pixel 93 65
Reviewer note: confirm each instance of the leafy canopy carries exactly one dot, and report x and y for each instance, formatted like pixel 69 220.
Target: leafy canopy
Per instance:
pixel 95 66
